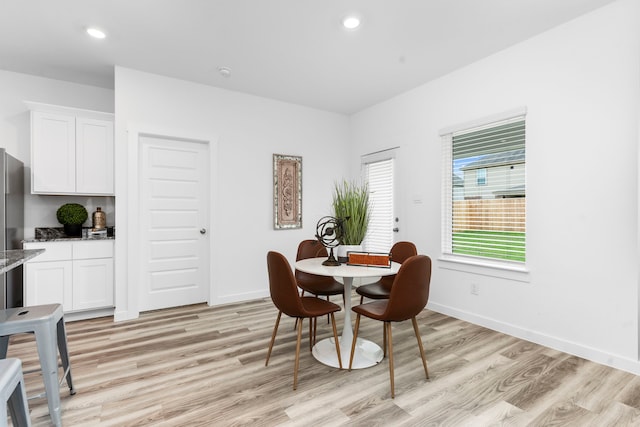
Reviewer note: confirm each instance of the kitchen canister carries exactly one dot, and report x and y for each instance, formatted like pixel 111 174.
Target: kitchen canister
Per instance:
pixel 99 219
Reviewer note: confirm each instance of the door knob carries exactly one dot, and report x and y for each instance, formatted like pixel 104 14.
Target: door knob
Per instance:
pixel 203 231
pixel 396 229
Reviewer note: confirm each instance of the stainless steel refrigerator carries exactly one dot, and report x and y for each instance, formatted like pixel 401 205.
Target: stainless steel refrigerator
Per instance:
pixel 11 224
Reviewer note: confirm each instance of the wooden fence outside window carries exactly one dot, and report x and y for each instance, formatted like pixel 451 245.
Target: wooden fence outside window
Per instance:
pixel 490 214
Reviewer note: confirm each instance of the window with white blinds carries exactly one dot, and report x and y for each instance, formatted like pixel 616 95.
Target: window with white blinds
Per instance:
pixel 379 176
pixel 484 191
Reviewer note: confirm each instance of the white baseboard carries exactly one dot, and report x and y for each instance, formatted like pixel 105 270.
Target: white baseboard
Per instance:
pixel 124 315
pixel 576 349
pixel 246 296
pixel 88 314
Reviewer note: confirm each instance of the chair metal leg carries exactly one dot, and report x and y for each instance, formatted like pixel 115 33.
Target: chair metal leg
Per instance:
pixel 64 355
pixel 417 331
pixel 47 351
pixel 4 346
pixel 297 362
pixel 390 341
pixel 355 338
pixel 18 406
pixel 273 337
pixel 14 397
pixel 337 341
pixel 361 298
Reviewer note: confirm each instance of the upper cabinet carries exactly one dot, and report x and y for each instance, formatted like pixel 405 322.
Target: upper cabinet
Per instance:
pixel 94 156
pixel 72 151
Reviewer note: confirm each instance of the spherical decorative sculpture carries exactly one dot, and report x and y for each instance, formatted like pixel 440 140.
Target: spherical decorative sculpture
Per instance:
pixel 329 232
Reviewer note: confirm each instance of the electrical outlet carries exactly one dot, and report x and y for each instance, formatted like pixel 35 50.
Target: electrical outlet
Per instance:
pixel 475 289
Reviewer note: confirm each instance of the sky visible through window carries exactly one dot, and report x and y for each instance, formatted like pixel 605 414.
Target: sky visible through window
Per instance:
pixel 458 164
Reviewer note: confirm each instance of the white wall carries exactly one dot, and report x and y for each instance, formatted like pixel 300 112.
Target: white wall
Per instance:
pixel 15 89
pixel 246 131
pixel 580 84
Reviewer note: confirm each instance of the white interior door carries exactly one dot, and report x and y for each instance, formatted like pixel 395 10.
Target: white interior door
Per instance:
pixel 174 212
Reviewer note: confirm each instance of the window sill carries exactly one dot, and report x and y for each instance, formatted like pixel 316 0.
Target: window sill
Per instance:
pixel 504 270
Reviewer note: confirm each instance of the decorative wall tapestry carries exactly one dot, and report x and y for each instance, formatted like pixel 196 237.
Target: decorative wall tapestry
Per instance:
pixel 287 191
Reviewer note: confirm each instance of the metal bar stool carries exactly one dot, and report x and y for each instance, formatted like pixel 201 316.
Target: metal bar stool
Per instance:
pixel 12 391
pixel 47 323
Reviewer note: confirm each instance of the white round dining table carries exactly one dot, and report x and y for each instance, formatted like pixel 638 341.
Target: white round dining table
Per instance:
pixel 367 352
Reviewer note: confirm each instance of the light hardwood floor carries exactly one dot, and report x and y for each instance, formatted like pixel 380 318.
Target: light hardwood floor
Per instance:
pixel 204 366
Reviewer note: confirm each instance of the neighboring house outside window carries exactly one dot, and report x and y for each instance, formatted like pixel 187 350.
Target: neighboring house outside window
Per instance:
pixel 484 191
pixel 481 176
pixel 505 172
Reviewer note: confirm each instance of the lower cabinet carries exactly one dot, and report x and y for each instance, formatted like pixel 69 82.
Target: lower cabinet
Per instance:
pixel 48 283
pixel 92 284
pixel 78 275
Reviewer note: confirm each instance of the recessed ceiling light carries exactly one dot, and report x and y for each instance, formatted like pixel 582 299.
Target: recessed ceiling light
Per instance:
pixel 351 22
pixel 96 33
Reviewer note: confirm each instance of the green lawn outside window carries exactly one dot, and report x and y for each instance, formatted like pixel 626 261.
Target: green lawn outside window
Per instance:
pixel 490 244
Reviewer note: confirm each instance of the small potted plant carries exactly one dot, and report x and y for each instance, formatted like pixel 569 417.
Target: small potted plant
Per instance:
pixel 72 216
pixel 351 204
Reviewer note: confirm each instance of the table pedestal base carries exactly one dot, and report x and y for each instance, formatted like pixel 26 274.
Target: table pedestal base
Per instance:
pixel 367 353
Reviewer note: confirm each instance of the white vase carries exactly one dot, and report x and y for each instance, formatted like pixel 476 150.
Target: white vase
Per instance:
pixel 343 251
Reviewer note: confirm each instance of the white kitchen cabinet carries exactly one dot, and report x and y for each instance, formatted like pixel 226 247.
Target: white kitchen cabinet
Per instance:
pixel 53 153
pixel 92 283
pixel 92 274
pixel 94 156
pixel 48 283
pixel 72 151
pixel 77 274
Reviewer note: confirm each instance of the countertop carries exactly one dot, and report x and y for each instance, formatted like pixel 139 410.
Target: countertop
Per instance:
pixel 15 257
pixel 56 234
pixel 68 239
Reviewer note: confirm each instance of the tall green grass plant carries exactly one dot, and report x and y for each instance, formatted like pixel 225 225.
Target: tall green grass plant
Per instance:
pixel 351 200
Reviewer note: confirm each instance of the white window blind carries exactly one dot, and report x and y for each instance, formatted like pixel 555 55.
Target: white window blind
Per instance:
pixel 379 176
pixel 484 191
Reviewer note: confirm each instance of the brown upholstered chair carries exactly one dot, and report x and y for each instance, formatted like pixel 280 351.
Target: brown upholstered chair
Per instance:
pixel 409 296
pixel 381 289
pixel 285 296
pixel 312 283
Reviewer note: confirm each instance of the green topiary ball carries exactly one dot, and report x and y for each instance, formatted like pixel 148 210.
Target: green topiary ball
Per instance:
pixel 72 213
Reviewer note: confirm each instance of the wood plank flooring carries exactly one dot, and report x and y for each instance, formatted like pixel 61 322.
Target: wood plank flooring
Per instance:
pixel 204 366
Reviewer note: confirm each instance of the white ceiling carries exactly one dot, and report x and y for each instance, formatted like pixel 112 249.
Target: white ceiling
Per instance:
pixel 291 50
